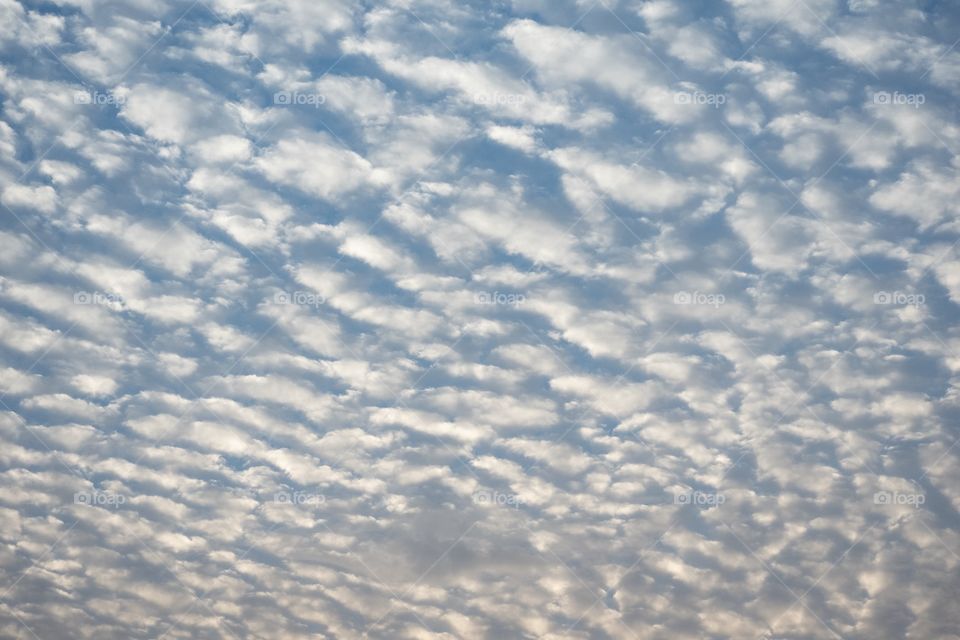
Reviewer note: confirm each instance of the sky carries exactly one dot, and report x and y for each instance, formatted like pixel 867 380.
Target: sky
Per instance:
pixel 559 319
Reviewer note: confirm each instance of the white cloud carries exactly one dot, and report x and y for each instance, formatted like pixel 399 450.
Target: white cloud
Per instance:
pixel 927 193
pixel 19 196
pixel 316 165
pixel 406 357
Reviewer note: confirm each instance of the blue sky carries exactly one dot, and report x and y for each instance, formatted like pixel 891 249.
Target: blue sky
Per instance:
pixel 517 319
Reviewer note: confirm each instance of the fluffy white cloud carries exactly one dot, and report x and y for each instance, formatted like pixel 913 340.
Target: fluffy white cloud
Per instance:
pixel 478 320
pixel 316 165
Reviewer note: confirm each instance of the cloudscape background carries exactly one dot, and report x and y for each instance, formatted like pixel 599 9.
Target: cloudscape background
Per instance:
pixel 457 319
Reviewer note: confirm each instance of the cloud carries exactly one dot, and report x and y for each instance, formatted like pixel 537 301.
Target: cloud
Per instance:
pixel 173 115
pixel 479 320
pixel 316 165
pixel 927 194
pixel 563 57
pixel 42 198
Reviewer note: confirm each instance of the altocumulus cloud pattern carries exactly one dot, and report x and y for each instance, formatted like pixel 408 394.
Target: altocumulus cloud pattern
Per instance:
pixel 593 319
